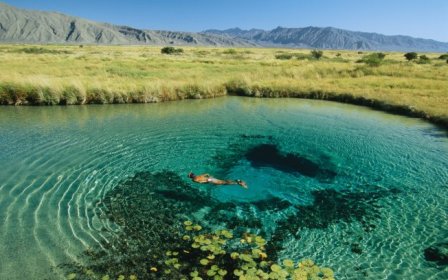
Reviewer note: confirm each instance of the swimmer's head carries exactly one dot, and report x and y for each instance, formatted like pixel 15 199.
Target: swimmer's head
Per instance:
pixel 191 175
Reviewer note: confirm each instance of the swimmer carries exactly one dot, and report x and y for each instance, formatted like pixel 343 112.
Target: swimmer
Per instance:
pixel 207 179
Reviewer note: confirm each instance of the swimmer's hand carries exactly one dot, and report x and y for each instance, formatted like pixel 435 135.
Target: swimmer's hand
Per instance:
pixel 242 184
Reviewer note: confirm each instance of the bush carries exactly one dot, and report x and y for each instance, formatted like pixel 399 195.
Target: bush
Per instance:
pixel 71 95
pixel 423 59
pixel 444 56
pixel 34 50
pixel 380 55
pixel 171 50
pixel 373 59
pixel 284 56
pixel 238 87
pixel 317 54
pixel 230 51
pixel 410 56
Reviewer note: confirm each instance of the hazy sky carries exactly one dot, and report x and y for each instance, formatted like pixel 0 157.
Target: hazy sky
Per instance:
pixel 417 18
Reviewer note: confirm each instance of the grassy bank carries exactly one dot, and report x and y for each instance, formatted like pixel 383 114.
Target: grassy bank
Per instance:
pixel 47 75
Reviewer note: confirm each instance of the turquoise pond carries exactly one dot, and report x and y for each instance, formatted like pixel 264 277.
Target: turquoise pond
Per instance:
pixel 360 191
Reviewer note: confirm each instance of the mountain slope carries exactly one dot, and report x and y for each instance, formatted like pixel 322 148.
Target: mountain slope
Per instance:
pixel 332 38
pixel 23 26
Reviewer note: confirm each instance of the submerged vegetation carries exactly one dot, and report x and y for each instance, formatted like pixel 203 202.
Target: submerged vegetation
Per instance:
pixel 150 220
pixel 126 74
pixel 154 243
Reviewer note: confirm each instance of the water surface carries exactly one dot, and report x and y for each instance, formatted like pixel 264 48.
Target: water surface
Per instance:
pixel 361 191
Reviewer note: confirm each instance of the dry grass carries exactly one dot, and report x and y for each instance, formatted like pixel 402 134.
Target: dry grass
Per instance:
pixel 120 74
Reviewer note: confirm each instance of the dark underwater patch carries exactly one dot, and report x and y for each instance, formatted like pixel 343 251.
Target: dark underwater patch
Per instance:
pixel 437 253
pixel 149 209
pixel 331 206
pixel 263 151
pixel 268 155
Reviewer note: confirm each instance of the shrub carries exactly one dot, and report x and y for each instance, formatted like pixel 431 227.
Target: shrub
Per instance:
pixel 444 56
pixel 380 55
pixel 171 50
pixel 373 59
pixel 230 51
pixel 423 59
pixel 317 54
pixel 71 95
pixel 284 56
pixel 238 87
pixel 34 50
pixel 410 56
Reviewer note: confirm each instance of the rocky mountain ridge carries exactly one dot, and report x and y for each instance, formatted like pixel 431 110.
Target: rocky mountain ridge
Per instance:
pixel 38 27
pixel 332 38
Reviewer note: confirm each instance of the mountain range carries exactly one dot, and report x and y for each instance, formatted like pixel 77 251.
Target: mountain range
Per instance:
pixel 27 26
pixel 332 38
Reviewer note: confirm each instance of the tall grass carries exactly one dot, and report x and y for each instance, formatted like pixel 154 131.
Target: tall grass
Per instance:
pixel 48 75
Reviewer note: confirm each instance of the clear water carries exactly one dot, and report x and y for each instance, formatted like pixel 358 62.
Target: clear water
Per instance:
pixel 55 162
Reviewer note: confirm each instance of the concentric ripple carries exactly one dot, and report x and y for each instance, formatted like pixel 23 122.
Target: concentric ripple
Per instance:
pixel 57 163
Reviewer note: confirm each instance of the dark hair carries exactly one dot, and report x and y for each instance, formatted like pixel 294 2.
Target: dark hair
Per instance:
pixel 191 175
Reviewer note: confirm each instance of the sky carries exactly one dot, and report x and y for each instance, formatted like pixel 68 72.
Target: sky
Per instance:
pixel 418 18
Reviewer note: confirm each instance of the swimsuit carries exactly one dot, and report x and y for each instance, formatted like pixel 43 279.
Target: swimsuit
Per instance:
pixel 212 180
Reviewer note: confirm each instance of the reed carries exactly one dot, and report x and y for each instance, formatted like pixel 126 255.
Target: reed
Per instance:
pixel 53 74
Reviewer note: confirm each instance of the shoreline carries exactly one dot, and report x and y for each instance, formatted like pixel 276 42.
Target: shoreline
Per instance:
pixel 71 75
pixel 401 110
pixel 347 98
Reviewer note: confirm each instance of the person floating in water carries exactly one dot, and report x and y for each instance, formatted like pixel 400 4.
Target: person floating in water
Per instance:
pixel 207 179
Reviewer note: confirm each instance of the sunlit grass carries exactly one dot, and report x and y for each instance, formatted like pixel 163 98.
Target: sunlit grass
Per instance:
pixel 122 74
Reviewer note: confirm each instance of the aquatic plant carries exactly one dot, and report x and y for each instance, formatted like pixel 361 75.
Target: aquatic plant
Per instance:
pixel 220 255
pixel 156 237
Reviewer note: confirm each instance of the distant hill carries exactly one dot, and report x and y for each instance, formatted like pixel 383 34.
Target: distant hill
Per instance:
pixel 26 26
pixel 332 38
